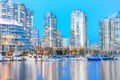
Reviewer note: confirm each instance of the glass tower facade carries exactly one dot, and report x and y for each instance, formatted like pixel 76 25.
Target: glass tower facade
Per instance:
pixel 78 29
pixel 13 37
pixel 110 33
pixel 50 30
pixel 66 42
pixel 52 36
pixel 59 39
pixel 17 12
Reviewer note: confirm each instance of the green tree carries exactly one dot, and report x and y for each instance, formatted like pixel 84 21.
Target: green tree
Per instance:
pixel 82 51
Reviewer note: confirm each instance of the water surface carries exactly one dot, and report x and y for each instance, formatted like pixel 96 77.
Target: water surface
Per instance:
pixel 60 70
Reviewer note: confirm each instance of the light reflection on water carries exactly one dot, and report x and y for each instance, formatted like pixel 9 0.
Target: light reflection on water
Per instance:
pixel 111 70
pixel 60 70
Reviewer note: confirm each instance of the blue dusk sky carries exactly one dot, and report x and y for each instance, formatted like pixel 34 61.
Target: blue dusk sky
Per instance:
pixel 95 10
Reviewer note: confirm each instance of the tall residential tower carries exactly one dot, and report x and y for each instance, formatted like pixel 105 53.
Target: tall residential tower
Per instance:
pixel 50 30
pixel 23 37
pixel 78 29
pixel 110 33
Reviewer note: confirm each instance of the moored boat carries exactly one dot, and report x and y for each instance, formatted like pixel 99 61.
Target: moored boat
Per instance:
pixel 117 57
pixel 108 58
pixel 81 58
pixel 31 58
pixel 94 58
pixel 6 58
pixel 1 58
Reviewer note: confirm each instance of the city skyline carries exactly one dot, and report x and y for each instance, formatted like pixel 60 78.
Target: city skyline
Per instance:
pixel 59 39
pixel 95 10
pixel 91 8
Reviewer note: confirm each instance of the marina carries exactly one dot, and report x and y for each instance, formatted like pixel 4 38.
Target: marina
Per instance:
pixel 57 58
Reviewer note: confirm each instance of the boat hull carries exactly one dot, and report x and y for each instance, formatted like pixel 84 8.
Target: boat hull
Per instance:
pixel 94 59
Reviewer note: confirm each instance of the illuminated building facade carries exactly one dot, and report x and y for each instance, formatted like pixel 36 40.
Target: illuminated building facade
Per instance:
pixel 110 33
pixel 17 12
pixel 59 39
pixel 50 30
pixel 78 29
pixel 13 37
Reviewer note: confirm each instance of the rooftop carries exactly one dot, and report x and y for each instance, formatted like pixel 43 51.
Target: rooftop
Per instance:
pixel 115 15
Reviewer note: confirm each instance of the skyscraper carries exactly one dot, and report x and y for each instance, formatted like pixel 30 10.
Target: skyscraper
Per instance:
pixel 94 46
pixel 50 30
pixel 59 39
pixel 13 37
pixel 78 29
pixel 17 12
pixel 110 33
pixel 66 42
pixel 29 18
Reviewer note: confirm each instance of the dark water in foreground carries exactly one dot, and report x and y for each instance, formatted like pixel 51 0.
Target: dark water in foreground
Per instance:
pixel 60 70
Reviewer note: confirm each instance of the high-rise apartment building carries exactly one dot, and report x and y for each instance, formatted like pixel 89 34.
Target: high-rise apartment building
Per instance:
pixel 50 30
pixel 66 42
pixel 13 37
pixel 94 46
pixel 110 33
pixel 17 12
pixel 78 29
pixel 59 38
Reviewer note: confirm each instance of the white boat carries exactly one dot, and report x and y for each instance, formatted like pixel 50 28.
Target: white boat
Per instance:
pixel 30 58
pixel 17 58
pixel 5 58
pixel 1 58
pixel 54 59
pixel 44 57
pixel 39 59
pixel 80 58
pixel 73 58
pixel 117 57
pixel 50 59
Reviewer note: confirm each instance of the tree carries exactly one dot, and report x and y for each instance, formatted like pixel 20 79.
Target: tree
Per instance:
pixel 66 51
pixel 50 51
pixel 10 53
pixel 41 50
pixel 59 51
pixel 82 51
pixel 4 54
pixel 96 51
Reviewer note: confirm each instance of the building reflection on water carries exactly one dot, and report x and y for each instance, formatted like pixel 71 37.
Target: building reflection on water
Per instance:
pixel 49 70
pixel 18 71
pixel 94 70
pixel 110 70
pixel 4 72
pixel 60 70
pixel 79 70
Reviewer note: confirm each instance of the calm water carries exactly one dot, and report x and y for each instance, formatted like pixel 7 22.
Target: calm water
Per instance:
pixel 60 70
